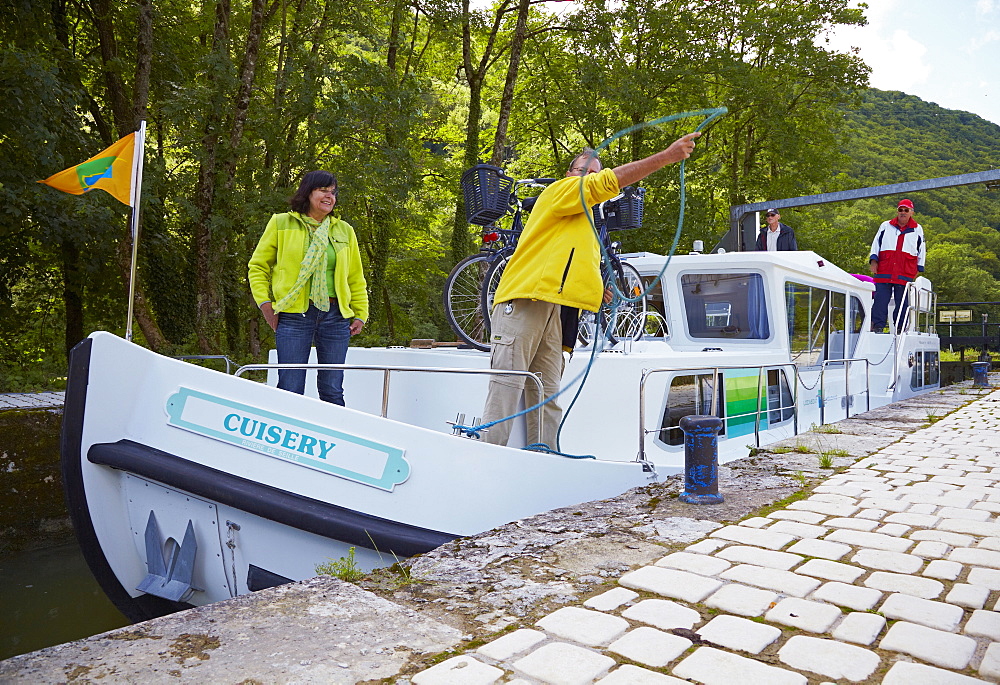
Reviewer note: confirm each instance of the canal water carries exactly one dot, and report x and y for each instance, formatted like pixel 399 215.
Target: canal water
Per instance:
pixel 47 593
pixel 47 597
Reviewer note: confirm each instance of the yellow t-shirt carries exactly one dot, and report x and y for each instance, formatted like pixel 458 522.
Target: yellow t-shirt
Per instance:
pixel 558 258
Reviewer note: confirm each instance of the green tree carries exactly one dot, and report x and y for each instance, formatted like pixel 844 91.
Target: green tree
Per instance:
pixel 957 278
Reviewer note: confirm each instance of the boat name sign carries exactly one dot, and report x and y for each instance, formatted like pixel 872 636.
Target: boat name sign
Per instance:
pixel 317 447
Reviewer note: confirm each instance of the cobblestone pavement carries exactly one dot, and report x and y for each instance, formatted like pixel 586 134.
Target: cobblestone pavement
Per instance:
pixel 889 572
pixel 31 400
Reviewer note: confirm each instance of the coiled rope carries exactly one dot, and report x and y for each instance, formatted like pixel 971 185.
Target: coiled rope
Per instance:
pixel 617 297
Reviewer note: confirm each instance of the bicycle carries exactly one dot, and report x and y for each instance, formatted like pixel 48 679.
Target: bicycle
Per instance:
pixel 464 286
pixel 621 212
pixel 469 288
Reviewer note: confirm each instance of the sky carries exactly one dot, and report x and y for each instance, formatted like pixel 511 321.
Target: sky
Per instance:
pixel 942 51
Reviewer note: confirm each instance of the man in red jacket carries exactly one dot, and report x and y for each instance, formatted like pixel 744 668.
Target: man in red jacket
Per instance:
pixel 896 257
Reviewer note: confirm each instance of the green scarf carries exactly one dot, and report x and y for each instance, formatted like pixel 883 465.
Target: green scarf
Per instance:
pixel 312 270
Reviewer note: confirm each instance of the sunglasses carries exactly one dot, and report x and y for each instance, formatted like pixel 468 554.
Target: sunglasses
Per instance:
pixel 771 214
pixel 904 209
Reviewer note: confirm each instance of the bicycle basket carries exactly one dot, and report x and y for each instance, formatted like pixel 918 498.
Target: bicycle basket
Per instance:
pixel 486 190
pixel 626 211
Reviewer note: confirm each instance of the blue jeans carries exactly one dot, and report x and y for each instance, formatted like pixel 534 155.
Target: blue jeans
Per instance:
pixel 880 306
pixel 330 332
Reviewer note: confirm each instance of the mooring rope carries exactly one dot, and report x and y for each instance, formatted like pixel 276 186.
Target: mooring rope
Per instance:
pixel 597 345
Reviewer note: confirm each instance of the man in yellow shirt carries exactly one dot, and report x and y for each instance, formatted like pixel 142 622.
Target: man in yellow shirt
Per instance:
pixel 557 262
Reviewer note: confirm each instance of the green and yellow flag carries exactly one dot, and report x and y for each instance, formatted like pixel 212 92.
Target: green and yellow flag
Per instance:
pixel 110 170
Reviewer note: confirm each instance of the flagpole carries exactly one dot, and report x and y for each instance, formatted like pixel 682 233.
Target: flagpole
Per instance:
pixel 138 155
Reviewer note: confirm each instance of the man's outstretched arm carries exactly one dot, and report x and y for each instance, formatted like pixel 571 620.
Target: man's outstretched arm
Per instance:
pixel 633 172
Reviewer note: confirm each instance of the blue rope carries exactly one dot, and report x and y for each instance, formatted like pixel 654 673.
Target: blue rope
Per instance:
pixel 617 296
pixel 710 116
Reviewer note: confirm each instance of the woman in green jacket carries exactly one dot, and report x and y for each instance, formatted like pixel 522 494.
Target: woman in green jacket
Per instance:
pixel 306 277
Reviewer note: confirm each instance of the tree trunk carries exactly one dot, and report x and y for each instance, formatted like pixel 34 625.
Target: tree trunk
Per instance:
pixel 209 247
pixel 460 242
pixel 247 74
pixel 218 170
pixel 507 99
pixel 143 312
pixel 293 123
pixel 144 62
pixel 384 220
pixel 72 293
pixel 70 67
pixel 125 119
pixel 475 75
pixel 109 57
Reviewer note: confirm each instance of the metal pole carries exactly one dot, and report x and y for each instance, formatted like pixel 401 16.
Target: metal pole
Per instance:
pixel 385 392
pixel 642 416
pixel 756 421
pixel 822 394
pixel 847 387
pixel 137 160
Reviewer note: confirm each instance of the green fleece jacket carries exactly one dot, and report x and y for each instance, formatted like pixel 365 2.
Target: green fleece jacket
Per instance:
pixel 275 264
pixel 557 258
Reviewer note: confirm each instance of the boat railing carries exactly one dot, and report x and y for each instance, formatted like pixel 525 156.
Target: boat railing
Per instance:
pixel 387 370
pixel 761 393
pixel 187 357
pixel 715 372
pixel 925 313
pixel 922 305
pixel 920 312
pixel 847 385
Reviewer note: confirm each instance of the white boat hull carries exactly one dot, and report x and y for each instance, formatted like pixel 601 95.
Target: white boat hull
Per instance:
pixel 144 433
pixel 187 485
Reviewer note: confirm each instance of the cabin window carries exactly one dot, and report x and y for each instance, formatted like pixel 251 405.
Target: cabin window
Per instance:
pixel 926 369
pixel 820 324
pixel 807 311
pixel 656 311
pixel 725 305
pixel 780 404
pixel 688 395
pixel 838 325
pixel 856 322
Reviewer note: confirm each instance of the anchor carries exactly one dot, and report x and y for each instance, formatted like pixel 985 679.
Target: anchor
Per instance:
pixel 170 579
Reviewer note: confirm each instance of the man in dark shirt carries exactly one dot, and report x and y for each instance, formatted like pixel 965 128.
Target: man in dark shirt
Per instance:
pixel 776 235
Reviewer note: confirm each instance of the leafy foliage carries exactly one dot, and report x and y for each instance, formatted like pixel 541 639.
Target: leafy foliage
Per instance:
pixel 894 138
pixel 242 96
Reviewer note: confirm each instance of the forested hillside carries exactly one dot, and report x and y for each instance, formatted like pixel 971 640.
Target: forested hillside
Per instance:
pixel 398 98
pixel 893 138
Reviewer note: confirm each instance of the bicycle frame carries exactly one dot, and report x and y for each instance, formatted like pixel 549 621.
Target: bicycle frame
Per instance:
pixel 507 237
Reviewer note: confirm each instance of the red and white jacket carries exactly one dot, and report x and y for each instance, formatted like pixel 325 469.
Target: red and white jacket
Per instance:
pixel 900 251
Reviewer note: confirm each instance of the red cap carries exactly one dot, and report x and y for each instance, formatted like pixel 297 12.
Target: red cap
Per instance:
pixel 904 203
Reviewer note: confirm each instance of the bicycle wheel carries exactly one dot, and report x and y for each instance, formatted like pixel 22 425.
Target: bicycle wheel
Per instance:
pixel 591 325
pixel 630 319
pixel 491 282
pixel 463 300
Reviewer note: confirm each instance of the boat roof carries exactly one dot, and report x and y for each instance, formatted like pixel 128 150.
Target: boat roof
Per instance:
pixel 810 266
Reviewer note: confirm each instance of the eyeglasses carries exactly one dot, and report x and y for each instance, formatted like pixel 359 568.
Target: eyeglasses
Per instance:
pixel 582 171
pixel 904 209
pixel 329 190
pixel 772 214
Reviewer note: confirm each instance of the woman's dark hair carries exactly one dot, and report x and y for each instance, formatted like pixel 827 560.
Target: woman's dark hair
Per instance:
pixel 310 182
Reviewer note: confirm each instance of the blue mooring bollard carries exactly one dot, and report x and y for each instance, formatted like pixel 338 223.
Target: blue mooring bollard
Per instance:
pixel 980 375
pixel 701 459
